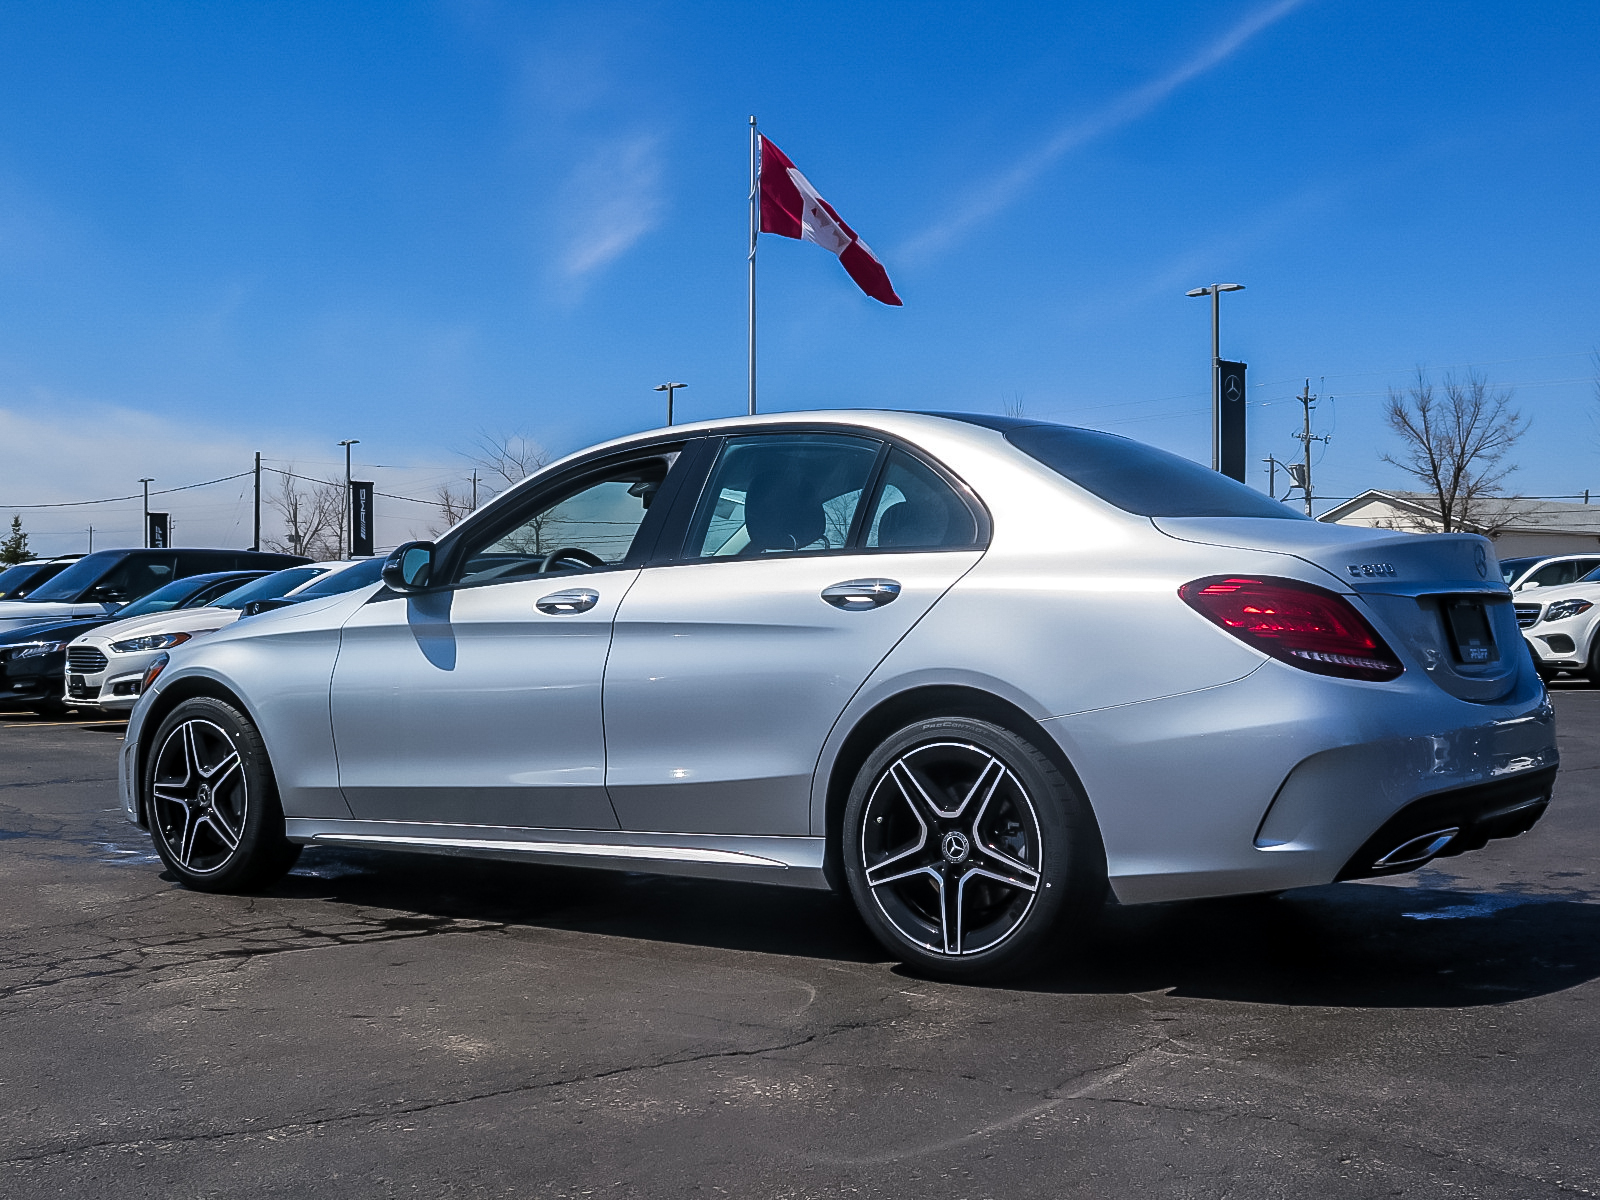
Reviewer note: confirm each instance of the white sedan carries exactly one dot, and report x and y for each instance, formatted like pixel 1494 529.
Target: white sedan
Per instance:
pixel 976 671
pixel 105 665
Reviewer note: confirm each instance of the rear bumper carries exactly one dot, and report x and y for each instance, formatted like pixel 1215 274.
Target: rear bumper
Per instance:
pixel 1466 819
pixel 1280 780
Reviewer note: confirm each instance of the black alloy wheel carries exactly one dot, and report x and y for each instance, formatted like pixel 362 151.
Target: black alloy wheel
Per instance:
pixel 968 851
pixel 211 801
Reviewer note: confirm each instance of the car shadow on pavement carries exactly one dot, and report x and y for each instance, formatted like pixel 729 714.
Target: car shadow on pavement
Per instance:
pixel 1344 945
pixel 659 908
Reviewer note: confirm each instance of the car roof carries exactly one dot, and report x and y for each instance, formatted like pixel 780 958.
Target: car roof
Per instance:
pixel 975 429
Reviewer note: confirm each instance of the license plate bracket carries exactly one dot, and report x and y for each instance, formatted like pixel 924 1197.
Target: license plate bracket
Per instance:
pixel 1466 620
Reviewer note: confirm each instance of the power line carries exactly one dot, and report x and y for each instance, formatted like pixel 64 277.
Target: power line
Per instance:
pixel 134 496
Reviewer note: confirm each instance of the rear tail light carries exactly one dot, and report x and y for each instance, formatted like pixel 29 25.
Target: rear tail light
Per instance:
pixel 1298 623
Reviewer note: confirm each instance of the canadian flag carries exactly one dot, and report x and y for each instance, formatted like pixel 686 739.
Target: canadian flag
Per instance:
pixel 790 207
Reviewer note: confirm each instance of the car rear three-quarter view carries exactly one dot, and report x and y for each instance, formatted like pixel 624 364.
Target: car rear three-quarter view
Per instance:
pixel 981 673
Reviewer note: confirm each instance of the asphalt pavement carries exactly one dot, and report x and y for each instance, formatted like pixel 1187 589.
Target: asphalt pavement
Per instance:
pixel 383 1025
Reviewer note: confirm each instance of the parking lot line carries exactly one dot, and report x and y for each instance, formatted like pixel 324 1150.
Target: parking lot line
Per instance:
pixel 61 724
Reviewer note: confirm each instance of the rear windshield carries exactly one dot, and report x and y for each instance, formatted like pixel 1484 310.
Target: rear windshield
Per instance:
pixel 347 580
pixel 1141 479
pixel 179 594
pixel 268 587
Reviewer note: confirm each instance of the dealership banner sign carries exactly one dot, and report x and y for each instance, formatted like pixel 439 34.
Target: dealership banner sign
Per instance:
pixel 360 519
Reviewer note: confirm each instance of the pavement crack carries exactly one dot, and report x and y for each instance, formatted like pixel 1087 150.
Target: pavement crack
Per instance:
pixel 405 1110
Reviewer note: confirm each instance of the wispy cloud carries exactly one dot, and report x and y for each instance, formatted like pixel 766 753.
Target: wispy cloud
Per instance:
pixel 610 200
pixel 1001 191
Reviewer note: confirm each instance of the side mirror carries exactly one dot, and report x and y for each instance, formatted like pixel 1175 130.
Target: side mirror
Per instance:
pixel 1530 584
pixel 409 567
pixel 256 607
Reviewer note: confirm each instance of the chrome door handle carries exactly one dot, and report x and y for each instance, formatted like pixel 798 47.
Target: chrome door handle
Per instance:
pixel 854 595
pixel 573 600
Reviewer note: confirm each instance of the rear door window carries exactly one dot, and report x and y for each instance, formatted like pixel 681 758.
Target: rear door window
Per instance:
pixel 783 494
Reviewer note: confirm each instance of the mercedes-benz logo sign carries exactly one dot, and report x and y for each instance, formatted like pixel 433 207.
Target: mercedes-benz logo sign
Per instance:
pixel 955 847
pixel 204 797
pixel 1481 561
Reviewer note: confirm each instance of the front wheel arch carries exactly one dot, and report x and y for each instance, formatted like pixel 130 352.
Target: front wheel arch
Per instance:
pixel 171 696
pixel 917 704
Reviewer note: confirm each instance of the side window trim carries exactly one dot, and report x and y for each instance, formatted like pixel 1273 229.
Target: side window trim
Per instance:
pixel 869 500
pixel 678 502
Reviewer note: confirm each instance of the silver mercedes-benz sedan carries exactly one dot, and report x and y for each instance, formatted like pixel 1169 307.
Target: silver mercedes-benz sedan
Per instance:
pixel 980 672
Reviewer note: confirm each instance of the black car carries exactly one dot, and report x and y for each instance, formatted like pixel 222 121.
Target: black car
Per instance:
pixel 99 584
pixel 33 655
pixel 19 580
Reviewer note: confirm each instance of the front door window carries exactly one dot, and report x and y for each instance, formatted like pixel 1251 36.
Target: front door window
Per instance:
pixel 592 526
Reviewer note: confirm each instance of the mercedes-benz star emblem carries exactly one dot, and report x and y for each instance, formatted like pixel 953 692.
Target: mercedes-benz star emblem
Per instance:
pixel 1481 561
pixel 955 847
pixel 204 797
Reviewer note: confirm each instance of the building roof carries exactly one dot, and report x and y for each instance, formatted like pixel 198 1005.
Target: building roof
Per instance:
pixel 1511 513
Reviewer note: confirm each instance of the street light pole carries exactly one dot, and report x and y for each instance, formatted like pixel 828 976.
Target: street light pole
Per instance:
pixel 669 388
pixel 1215 291
pixel 349 525
pixel 147 483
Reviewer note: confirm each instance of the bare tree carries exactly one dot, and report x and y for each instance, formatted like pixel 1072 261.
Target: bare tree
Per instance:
pixel 1456 445
pixel 505 458
pixel 499 460
pixel 453 505
pixel 313 516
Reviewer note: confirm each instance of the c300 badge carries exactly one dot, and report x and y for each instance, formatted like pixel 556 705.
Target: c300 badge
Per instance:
pixel 1372 570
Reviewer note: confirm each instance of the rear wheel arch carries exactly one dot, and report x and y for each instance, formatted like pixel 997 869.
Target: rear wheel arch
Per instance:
pixel 896 712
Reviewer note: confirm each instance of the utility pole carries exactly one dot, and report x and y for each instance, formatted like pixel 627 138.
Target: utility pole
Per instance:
pixel 255 543
pixel 147 483
pixel 91 539
pixel 1305 437
pixel 349 524
pixel 1272 476
pixel 474 489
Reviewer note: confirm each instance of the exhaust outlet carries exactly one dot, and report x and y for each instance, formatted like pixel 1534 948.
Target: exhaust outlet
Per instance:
pixel 1418 850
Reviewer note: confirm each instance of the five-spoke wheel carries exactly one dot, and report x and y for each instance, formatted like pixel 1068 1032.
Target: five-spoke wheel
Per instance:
pixel 965 846
pixel 211 802
pixel 198 795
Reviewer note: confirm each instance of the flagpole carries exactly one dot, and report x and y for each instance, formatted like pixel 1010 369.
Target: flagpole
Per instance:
pixel 755 230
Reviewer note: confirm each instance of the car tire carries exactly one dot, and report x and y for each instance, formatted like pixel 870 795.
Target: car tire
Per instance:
pixel 1591 670
pixel 968 851
pixel 211 801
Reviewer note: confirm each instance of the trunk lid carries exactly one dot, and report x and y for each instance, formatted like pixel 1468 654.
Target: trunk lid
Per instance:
pixel 1436 597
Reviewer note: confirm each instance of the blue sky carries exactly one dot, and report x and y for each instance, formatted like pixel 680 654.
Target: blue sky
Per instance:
pixel 230 227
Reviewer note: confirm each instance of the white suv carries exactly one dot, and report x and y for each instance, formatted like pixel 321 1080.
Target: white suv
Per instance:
pixel 1523 574
pixel 1560 624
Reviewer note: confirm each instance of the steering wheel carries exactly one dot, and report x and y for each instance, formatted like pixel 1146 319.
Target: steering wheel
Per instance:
pixel 575 554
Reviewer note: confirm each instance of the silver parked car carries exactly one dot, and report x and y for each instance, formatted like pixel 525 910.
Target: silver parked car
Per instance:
pixel 978 671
